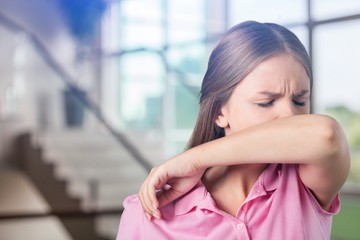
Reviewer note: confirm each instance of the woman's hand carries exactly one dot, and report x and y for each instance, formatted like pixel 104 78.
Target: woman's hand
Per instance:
pixel 167 182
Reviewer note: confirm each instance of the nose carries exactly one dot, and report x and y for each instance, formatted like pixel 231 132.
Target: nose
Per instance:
pixel 287 110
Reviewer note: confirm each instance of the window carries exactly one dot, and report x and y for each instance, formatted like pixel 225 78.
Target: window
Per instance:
pixel 141 89
pixel 279 11
pixel 337 86
pixel 324 9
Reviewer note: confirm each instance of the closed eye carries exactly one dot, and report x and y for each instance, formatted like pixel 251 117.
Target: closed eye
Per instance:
pixel 266 104
pixel 299 103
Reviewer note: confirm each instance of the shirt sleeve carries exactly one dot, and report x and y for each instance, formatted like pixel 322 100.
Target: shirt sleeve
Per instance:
pixel 335 206
pixel 132 220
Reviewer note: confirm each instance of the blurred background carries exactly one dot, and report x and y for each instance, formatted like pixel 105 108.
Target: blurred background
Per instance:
pixel 93 93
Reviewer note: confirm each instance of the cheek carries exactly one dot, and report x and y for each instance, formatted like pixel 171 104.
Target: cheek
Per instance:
pixel 250 117
pixel 260 117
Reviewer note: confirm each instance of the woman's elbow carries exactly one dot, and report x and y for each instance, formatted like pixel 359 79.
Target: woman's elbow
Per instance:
pixel 334 141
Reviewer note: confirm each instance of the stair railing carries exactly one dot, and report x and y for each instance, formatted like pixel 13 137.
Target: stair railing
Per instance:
pixel 69 83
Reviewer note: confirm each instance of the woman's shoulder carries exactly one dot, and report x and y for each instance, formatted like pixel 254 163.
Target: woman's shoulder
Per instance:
pixel 133 219
pixel 132 207
pixel 132 201
pixel 179 206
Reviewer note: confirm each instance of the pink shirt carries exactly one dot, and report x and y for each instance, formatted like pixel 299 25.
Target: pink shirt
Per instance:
pixel 278 207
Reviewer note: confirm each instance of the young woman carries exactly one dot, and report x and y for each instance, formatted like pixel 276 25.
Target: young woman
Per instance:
pixel 258 165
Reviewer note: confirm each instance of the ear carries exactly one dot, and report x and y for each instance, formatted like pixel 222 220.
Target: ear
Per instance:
pixel 221 120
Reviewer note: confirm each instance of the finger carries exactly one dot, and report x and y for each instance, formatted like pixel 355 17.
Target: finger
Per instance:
pixel 143 201
pixel 168 196
pixel 147 194
pixel 148 216
pixel 153 188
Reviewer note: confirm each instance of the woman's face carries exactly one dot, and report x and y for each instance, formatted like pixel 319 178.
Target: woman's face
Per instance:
pixel 278 87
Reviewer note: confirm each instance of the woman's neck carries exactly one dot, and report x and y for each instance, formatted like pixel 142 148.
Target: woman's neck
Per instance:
pixel 230 185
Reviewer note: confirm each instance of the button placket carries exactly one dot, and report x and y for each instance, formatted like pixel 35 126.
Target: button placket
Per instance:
pixel 241 229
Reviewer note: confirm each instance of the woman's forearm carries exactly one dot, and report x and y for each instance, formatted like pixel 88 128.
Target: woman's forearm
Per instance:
pixel 315 142
pixel 302 139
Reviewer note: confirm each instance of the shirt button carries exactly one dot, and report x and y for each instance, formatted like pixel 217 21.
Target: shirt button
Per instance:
pixel 240 226
pixel 245 207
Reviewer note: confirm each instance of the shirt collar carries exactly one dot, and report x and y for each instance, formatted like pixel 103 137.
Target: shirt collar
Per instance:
pixel 200 197
pixel 270 177
pixel 197 197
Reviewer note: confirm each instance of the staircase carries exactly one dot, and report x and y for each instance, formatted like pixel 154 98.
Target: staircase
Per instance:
pixel 98 169
pixel 82 170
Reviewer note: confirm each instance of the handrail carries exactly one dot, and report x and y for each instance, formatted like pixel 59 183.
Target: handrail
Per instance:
pixel 68 80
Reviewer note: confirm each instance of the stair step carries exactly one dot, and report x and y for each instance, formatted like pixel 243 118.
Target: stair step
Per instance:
pixel 88 158
pixel 91 159
pixel 90 151
pixel 119 173
pixel 109 195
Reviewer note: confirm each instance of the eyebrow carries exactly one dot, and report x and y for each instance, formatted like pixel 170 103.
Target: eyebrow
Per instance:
pixel 274 94
pixel 302 93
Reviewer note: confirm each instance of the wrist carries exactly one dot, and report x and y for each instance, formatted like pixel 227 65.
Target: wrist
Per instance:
pixel 195 158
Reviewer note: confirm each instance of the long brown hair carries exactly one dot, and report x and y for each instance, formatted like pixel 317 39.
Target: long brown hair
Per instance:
pixel 240 50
